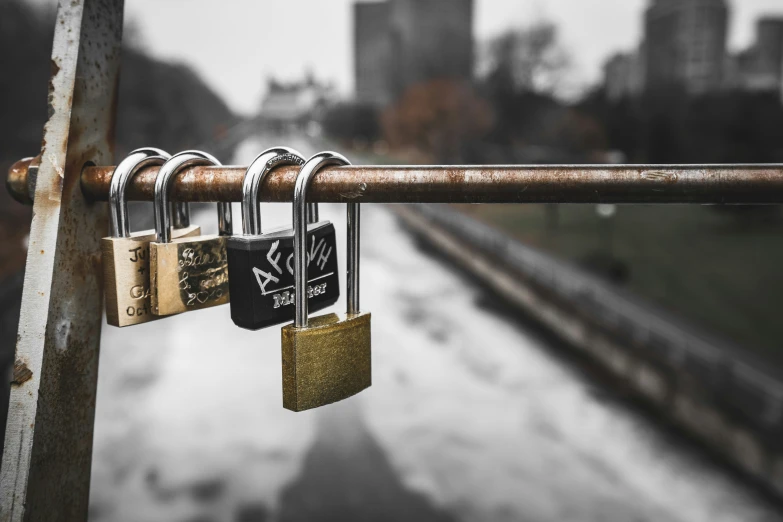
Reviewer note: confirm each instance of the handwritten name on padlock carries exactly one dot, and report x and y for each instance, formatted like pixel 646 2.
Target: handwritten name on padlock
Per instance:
pixel 203 274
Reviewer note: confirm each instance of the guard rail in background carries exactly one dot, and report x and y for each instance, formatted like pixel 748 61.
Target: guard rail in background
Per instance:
pixel 710 387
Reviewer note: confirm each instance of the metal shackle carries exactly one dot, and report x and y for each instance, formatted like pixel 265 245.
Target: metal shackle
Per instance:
pixel 123 173
pixel 303 179
pixel 255 175
pixel 167 173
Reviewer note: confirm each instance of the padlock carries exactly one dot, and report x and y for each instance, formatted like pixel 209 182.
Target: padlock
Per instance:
pixel 328 358
pixel 260 266
pixel 189 273
pixel 125 255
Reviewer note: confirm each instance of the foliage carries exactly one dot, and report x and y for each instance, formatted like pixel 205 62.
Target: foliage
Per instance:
pixel 440 117
pixel 25 51
pixel 169 106
pixel 671 127
pixel 524 76
pixel 160 104
pixel 351 122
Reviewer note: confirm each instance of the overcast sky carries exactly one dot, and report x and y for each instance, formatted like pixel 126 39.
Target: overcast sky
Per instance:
pixel 236 44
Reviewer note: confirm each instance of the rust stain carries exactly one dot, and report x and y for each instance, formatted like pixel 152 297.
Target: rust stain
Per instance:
pixel 54 69
pixel 22 373
pixel 96 261
pixel 355 194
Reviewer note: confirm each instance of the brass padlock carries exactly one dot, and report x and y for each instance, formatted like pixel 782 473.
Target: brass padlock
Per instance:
pixel 126 255
pixel 189 273
pixel 327 359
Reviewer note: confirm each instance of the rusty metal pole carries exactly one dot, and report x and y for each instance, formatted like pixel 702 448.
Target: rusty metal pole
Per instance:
pixel 48 441
pixel 708 184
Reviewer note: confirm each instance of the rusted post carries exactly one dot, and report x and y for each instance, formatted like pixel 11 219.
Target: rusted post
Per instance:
pixel 48 442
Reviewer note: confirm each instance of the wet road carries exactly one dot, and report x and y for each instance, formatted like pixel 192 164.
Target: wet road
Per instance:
pixel 470 417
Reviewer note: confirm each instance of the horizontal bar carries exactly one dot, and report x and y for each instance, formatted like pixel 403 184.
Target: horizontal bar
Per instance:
pixel 471 184
pixel 18 176
pixel 706 184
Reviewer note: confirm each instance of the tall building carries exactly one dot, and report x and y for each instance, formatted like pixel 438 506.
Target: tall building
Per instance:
pixel 431 39
pixel 769 47
pixel 624 75
pixel 401 43
pixel 760 68
pixel 372 42
pixel 686 44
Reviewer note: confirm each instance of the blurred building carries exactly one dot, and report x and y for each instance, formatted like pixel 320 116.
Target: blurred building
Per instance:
pixel 686 44
pixel 624 75
pixel 401 43
pixel 372 42
pixel 760 68
pixel 294 106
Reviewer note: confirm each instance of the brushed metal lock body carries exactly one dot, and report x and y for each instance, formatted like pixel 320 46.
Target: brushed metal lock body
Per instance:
pixel 189 273
pixel 329 358
pixel 260 265
pixel 125 254
pixel 327 361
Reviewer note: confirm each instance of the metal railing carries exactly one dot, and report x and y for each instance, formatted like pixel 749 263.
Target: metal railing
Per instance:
pixel 747 387
pixel 705 184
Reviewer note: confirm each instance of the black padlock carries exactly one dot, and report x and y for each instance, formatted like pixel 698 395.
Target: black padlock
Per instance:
pixel 261 266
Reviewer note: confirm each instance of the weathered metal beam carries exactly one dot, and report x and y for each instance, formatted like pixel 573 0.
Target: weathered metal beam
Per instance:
pixel 718 184
pixel 48 441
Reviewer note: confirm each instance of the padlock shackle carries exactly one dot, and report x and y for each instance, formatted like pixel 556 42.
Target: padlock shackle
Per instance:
pixel 354 229
pixel 123 173
pixel 300 207
pixel 167 173
pixel 255 175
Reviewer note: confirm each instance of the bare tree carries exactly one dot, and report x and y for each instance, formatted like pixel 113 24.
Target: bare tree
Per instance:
pixel 528 59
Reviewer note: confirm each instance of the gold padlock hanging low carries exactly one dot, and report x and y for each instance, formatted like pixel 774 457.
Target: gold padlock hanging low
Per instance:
pixel 125 254
pixel 189 273
pixel 328 358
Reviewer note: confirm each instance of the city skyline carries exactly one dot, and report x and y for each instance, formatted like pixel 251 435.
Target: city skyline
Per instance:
pixel 685 44
pixel 240 77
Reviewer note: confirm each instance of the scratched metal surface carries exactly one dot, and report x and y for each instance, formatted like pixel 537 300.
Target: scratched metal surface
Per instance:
pixel 482 184
pixel 717 184
pixel 48 443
